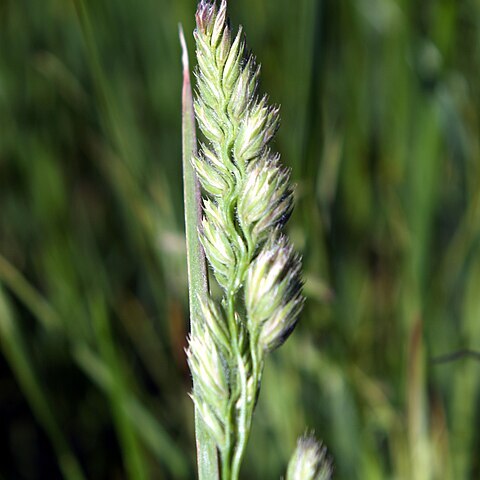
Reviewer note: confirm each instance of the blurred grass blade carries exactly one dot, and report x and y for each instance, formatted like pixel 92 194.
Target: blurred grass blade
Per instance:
pixel 197 269
pixel 146 426
pixel 134 461
pixel 420 457
pixel 104 94
pixel 16 354
pixel 15 281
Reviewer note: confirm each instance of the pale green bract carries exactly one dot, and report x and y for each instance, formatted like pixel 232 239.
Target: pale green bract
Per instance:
pixel 248 200
pixel 309 461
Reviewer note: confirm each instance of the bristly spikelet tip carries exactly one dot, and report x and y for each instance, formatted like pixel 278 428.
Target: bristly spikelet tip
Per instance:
pixel 205 15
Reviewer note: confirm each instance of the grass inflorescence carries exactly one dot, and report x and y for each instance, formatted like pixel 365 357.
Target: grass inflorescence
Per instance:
pixel 249 199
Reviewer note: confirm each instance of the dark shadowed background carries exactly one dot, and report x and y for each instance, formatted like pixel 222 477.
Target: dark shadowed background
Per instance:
pixel 380 125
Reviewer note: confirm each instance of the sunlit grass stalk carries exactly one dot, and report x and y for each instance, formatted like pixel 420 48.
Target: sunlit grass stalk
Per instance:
pixel 248 199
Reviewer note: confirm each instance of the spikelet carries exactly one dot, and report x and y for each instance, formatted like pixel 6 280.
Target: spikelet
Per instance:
pixel 208 368
pixel 309 461
pixel 273 296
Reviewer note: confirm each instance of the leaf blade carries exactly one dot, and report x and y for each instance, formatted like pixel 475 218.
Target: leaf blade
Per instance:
pixel 207 457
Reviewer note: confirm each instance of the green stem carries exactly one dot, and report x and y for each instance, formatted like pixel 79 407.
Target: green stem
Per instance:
pixel 246 411
pixel 227 458
pixel 227 451
pixel 237 437
pixel 244 422
pixel 230 422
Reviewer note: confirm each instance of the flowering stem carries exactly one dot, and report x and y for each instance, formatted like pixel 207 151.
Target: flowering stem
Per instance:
pixel 248 199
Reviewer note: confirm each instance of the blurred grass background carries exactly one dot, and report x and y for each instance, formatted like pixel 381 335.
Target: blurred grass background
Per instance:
pixel 380 124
